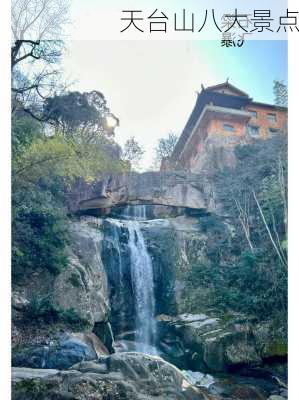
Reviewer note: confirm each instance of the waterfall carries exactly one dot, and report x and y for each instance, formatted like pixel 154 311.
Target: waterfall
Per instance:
pixel 143 288
pixel 119 262
pixel 134 254
pixel 116 242
pixel 137 213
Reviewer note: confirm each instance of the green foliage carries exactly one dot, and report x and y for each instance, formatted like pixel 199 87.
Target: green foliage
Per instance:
pixel 39 231
pixel 132 153
pixel 256 285
pixel 252 286
pixel 70 316
pixel 84 112
pixel 33 389
pixel 42 169
pixel 75 280
pixel 280 91
pixel 258 280
pixel 165 147
pixel 261 169
pixel 43 310
pixel 24 131
pixel 56 156
pixel 239 277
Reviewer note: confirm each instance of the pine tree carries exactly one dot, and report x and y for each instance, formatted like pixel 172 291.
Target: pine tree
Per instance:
pixel 280 91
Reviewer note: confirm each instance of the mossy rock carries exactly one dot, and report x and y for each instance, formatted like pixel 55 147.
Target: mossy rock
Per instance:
pixel 271 340
pixel 275 348
pixel 34 389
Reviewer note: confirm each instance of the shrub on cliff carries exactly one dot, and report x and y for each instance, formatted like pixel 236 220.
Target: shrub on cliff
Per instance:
pixel 41 169
pixel 39 229
pixel 43 310
pixel 246 265
pixel 255 197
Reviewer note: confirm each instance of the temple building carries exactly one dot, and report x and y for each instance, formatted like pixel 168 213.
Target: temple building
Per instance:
pixel 224 116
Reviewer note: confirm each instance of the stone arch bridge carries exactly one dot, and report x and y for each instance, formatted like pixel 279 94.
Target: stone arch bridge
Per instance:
pixel 175 189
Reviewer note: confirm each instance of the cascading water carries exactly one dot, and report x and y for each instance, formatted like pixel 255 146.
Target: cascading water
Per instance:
pixel 143 288
pixel 116 243
pixel 115 226
pixel 137 213
pixel 140 275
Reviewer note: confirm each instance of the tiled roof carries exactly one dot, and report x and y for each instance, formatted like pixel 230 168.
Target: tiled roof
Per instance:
pixel 228 85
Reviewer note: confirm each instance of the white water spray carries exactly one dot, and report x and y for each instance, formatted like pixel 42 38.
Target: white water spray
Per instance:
pixel 143 288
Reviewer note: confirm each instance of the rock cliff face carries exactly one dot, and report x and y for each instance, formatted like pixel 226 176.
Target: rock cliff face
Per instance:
pixel 80 289
pixel 83 285
pixel 217 153
pixel 176 189
pixel 185 230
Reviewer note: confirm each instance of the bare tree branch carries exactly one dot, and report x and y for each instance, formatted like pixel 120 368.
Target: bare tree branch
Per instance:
pixel 39 19
pixel 268 230
pixel 244 219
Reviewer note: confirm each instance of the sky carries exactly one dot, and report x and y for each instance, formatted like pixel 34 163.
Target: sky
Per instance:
pixel 101 19
pixel 151 85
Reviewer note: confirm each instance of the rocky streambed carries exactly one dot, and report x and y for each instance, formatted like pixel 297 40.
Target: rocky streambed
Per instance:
pixel 131 376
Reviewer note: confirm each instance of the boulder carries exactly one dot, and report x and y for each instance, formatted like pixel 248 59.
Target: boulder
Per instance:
pixel 70 349
pixel 18 301
pixel 91 340
pixel 126 376
pixel 199 379
pixel 212 344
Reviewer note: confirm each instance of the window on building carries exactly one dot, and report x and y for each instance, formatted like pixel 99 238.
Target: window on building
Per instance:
pixel 271 118
pixel 253 131
pixel 228 128
pixel 253 113
pixel 273 132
